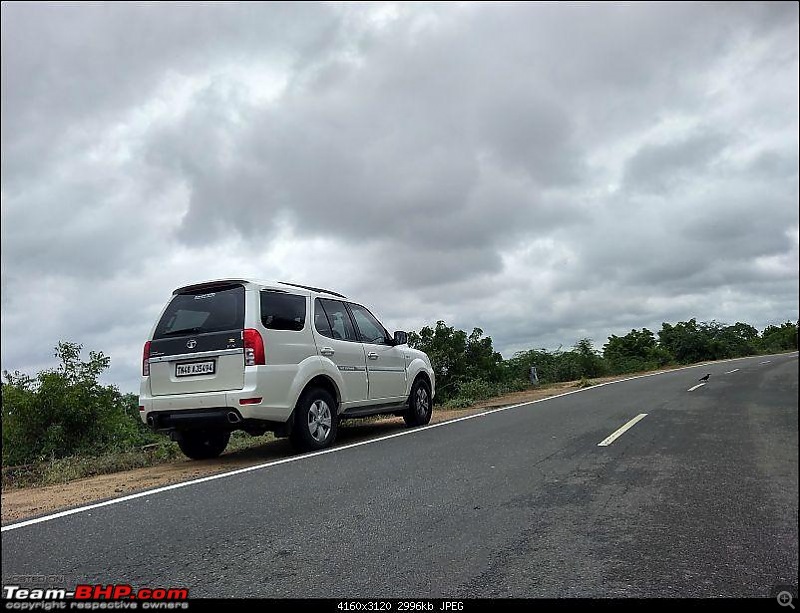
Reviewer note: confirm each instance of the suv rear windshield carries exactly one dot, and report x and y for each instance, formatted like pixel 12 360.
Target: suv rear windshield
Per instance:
pixel 281 311
pixel 208 310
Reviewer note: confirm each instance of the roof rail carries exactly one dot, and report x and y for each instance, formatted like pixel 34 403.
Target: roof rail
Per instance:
pixel 314 289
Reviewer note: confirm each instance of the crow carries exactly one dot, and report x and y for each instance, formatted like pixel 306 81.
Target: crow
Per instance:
pixel 705 378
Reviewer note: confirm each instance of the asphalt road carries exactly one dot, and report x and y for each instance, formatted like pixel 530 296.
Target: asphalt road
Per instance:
pixel 699 498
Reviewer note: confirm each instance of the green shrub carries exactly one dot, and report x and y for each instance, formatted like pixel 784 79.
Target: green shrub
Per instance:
pixel 471 392
pixel 779 338
pixel 66 411
pixel 477 389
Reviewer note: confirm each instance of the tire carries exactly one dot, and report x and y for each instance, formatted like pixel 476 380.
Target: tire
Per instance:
pixel 420 406
pixel 315 421
pixel 203 444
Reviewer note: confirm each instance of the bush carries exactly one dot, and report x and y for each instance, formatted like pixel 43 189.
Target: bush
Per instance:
pixel 477 389
pixel 457 358
pixel 779 338
pixel 471 392
pixel 65 411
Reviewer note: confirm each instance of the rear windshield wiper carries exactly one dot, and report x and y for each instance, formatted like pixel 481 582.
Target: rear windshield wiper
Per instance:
pixel 182 331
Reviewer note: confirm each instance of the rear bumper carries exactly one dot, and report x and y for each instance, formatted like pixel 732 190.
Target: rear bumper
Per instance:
pixel 216 418
pixel 267 410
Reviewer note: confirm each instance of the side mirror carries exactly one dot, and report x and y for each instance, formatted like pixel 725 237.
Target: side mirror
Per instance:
pixel 400 338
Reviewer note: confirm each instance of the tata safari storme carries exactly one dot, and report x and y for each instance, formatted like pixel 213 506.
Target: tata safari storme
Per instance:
pixel 238 354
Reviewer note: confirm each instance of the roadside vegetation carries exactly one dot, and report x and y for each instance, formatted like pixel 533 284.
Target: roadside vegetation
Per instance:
pixel 63 423
pixel 468 369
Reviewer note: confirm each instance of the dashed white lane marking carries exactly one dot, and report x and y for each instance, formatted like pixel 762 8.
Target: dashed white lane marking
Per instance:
pixel 691 389
pixel 613 437
pixel 767 362
pixel 731 371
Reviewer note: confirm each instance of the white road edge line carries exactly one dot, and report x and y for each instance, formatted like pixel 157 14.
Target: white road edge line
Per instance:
pixel 731 371
pixel 240 471
pixel 691 389
pixel 617 433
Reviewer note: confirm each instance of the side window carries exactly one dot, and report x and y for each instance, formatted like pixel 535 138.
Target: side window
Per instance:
pixel 370 329
pixel 339 320
pixel 321 320
pixel 281 311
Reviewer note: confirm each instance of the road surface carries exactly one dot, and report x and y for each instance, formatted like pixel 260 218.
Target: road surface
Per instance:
pixel 698 497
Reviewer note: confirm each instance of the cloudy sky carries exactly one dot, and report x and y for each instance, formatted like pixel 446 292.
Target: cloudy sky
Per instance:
pixel 546 172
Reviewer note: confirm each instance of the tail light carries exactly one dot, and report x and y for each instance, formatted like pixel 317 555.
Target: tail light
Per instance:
pixel 253 347
pixel 146 360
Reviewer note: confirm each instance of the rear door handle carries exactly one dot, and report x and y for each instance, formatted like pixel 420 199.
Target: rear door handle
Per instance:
pixel 372 355
pixel 327 351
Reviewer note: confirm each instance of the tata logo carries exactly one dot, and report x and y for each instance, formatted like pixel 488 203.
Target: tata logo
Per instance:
pixel 191 344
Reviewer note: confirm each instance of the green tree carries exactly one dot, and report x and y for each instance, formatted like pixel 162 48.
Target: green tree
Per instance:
pixel 638 350
pixel 686 341
pixel 458 359
pixel 65 410
pixel 483 362
pixel 734 341
pixel 589 363
pixel 779 338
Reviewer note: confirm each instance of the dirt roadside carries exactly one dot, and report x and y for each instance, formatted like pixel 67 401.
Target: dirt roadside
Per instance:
pixel 22 503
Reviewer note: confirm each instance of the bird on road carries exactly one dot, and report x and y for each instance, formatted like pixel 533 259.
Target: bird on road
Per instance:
pixel 704 378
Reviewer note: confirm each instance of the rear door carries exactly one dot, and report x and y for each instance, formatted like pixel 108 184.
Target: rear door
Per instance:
pixel 337 340
pixel 197 345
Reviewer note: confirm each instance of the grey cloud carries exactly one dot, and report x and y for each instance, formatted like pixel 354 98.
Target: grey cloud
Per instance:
pixel 660 167
pixel 775 165
pixel 66 68
pixel 347 150
pixel 533 135
pixel 313 154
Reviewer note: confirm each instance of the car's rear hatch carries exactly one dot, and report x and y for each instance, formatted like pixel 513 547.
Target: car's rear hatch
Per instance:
pixel 197 345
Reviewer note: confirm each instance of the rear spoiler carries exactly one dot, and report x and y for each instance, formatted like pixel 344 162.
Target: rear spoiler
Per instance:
pixel 209 285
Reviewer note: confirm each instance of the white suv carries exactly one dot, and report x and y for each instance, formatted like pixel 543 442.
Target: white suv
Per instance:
pixel 238 354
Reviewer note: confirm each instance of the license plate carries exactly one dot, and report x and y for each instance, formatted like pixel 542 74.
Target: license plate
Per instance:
pixel 194 368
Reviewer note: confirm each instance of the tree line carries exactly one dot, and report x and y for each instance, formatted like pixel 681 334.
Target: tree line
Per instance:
pixel 468 368
pixel 66 411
